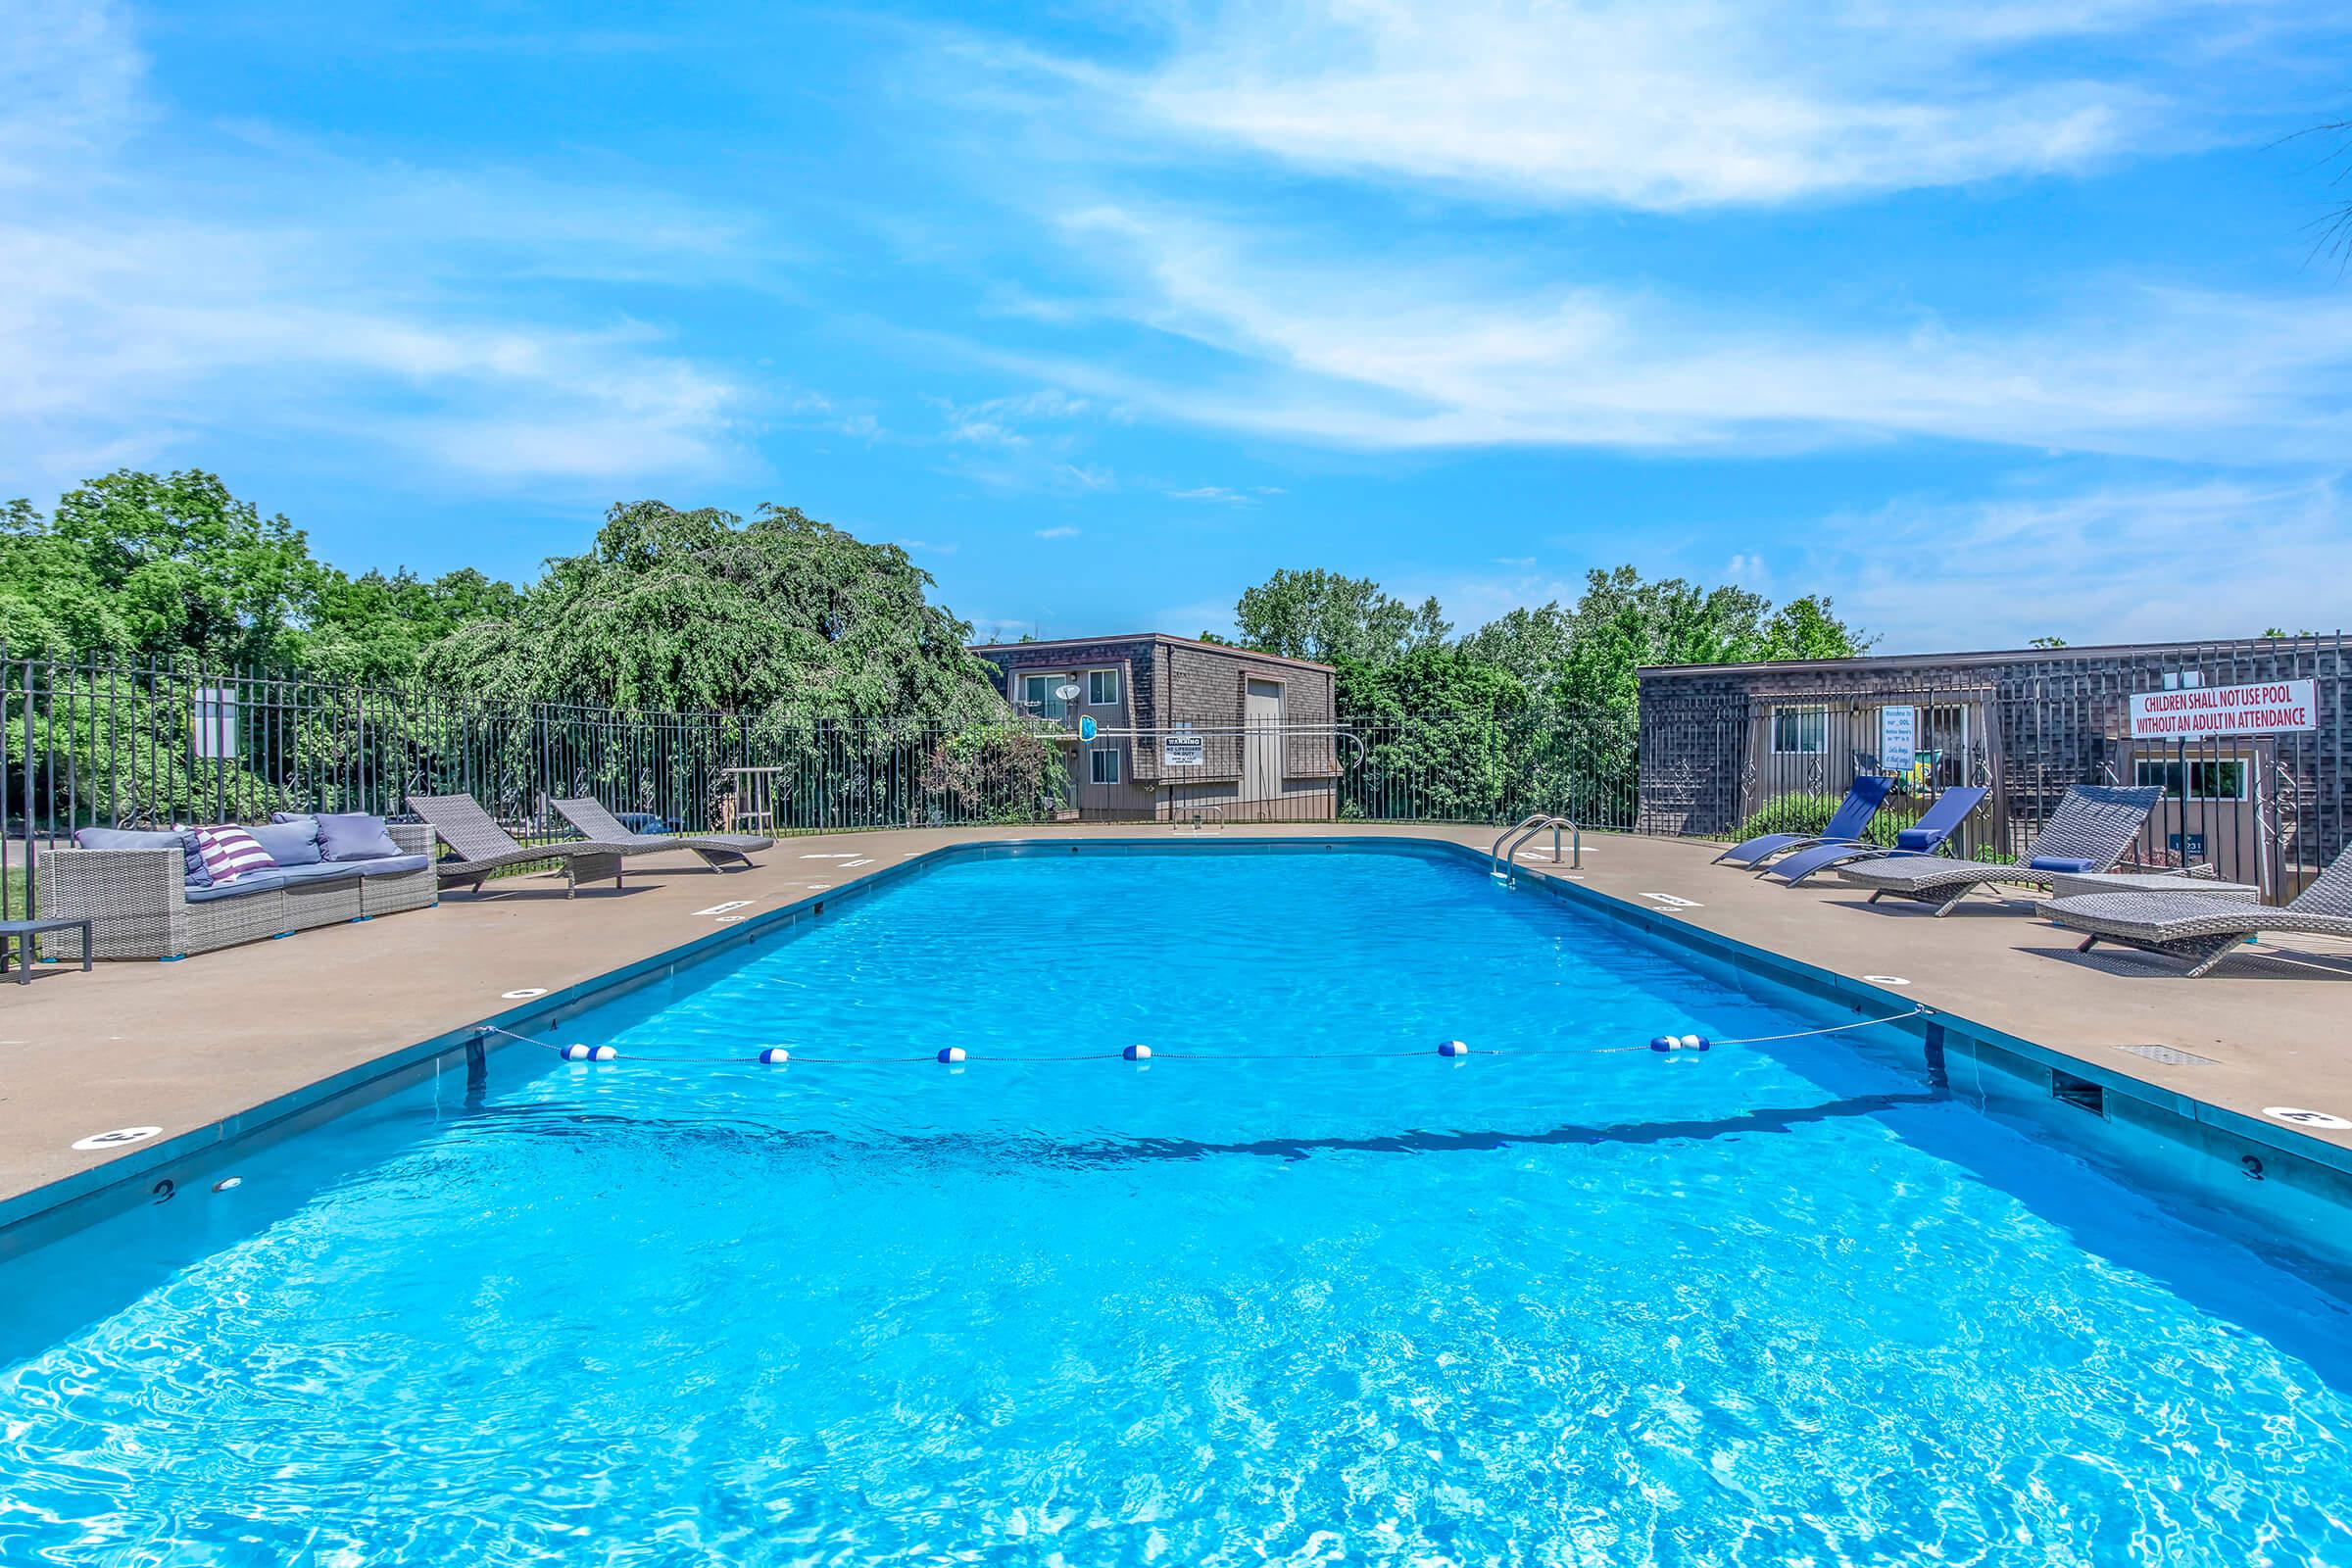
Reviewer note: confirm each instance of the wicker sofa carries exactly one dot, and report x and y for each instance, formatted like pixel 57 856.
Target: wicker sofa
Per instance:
pixel 140 904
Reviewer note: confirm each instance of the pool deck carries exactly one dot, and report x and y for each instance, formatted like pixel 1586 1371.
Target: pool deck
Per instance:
pixel 189 1046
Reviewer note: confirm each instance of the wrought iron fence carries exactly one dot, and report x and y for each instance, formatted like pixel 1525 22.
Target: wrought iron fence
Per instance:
pixel 1721 747
pixel 91 743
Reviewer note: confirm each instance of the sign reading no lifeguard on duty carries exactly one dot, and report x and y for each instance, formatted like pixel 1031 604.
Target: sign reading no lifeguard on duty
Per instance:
pixel 2270 708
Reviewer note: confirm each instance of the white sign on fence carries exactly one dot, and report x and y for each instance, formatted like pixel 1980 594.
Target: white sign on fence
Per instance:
pixel 1898 739
pixel 2189 713
pixel 1183 751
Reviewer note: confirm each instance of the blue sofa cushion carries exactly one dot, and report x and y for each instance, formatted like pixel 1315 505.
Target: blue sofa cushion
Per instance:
pixel 390 864
pixel 127 838
pixel 1918 838
pixel 244 886
pixel 346 870
pixel 2059 863
pixel 191 858
pixel 354 836
pixel 290 839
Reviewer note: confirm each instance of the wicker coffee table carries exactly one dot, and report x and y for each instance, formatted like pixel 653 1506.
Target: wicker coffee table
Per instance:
pixel 2074 884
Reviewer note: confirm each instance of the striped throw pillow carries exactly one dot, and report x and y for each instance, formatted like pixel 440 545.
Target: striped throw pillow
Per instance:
pixel 230 852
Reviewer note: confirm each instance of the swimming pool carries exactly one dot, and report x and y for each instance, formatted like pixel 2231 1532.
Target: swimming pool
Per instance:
pixel 1272 1296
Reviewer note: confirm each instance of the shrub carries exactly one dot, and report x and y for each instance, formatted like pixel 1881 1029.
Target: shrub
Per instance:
pixel 1808 815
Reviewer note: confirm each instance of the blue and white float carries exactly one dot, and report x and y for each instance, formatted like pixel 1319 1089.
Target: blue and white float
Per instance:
pixel 1681 1043
pixel 1453 1047
pixel 1137 1054
pixel 950 1055
pixel 774 1056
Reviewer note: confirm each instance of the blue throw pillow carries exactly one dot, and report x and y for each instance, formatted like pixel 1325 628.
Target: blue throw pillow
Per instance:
pixel 1917 838
pixel 354 836
pixel 2058 863
pixel 290 839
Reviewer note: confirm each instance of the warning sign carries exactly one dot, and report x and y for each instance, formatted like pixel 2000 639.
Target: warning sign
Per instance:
pixel 2269 707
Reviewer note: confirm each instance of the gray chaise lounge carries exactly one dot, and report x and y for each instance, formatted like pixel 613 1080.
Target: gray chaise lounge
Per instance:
pixel 715 848
pixel 2204 928
pixel 483 847
pixel 2093 825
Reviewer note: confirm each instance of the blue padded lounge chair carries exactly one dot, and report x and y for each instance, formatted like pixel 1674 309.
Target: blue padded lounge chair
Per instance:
pixel 1853 814
pixel 1924 836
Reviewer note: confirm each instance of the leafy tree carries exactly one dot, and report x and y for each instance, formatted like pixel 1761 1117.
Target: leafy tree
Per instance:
pixel 50 600
pixel 1531 644
pixel 375 627
pixel 1324 616
pixel 782 620
pixel 186 567
pixel 1435 726
pixel 2045 642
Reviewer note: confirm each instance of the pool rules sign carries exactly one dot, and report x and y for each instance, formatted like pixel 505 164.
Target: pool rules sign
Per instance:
pixel 2267 707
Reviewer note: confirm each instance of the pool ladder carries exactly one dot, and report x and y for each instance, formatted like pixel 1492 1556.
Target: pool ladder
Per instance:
pixel 1499 860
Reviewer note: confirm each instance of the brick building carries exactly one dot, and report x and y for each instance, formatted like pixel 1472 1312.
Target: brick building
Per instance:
pixel 1719 742
pixel 1182 727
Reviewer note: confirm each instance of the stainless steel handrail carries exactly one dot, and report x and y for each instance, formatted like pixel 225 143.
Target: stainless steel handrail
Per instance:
pixel 1500 861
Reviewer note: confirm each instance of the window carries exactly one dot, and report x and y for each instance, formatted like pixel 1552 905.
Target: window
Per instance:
pixel 2209 778
pixel 1102 765
pixel 1101 687
pixel 1040 698
pixel 1800 731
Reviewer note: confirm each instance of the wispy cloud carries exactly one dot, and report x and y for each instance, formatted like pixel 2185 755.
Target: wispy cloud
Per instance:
pixel 2113 563
pixel 292 293
pixel 1388 354
pixel 1216 494
pixel 1666 104
pixel 1066 531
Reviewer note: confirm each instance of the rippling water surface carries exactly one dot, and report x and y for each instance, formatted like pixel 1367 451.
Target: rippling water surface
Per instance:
pixel 1779 1304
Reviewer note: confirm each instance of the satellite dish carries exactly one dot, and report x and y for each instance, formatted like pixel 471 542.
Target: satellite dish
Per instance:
pixel 1067 690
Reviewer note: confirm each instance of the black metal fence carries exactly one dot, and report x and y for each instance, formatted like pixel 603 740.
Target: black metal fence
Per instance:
pixel 1709 753
pixel 103 744
pixel 1720 748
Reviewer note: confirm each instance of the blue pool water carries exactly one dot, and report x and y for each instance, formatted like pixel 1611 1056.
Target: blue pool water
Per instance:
pixel 1784 1303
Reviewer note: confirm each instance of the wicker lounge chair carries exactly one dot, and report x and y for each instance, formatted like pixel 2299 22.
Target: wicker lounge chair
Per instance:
pixel 1853 814
pixel 2093 825
pixel 482 847
pixel 2204 927
pixel 715 848
pixel 1927 836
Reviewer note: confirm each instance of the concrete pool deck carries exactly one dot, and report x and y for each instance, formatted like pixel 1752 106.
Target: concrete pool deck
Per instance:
pixel 185 1047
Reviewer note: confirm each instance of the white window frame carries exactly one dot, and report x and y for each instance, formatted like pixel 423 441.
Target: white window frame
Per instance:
pixel 1800 709
pixel 1093 675
pixel 1093 764
pixel 1053 708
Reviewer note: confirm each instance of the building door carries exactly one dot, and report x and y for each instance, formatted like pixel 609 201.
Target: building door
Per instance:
pixel 1262 743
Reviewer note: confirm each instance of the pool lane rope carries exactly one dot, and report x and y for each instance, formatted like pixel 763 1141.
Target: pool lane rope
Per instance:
pixel 957 1055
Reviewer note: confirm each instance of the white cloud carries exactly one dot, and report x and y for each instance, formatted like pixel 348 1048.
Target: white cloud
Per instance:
pixel 2224 558
pixel 162 286
pixel 1215 493
pixel 1384 353
pixel 1066 531
pixel 1664 104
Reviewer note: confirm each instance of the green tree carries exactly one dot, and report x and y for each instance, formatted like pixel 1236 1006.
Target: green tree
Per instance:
pixel 1437 727
pixel 1324 616
pixel 782 620
pixel 187 568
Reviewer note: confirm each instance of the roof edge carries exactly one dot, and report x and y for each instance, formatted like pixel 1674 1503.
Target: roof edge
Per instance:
pixel 1147 637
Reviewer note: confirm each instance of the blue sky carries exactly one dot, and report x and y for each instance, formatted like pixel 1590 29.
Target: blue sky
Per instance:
pixel 1990 319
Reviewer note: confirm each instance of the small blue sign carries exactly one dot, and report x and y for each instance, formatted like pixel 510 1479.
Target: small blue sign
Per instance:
pixel 1086 729
pixel 2186 843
